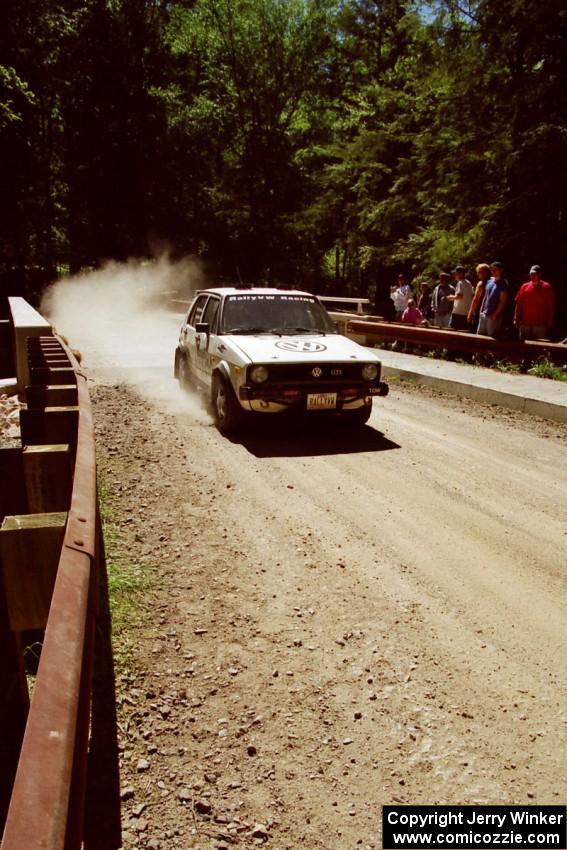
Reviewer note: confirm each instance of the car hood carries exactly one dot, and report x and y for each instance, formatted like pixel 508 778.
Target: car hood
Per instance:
pixel 266 348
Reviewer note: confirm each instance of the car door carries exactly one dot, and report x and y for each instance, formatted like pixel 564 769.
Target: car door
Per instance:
pixel 189 336
pixel 205 359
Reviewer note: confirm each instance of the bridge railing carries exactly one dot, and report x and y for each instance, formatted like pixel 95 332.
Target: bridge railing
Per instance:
pixel 51 556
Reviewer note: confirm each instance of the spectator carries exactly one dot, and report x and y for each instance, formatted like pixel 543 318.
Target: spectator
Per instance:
pixel 462 300
pixel 482 275
pixel 494 302
pixel 535 306
pixel 424 300
pixel 440 303
pixel 400 295
pixel 412 315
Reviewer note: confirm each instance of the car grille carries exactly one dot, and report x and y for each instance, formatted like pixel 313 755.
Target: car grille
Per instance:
pixel 314 372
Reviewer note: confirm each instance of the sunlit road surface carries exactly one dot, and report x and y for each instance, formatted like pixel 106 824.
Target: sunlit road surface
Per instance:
pixel 430 547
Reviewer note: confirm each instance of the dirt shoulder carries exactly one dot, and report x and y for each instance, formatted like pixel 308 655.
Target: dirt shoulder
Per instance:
pixel 335 623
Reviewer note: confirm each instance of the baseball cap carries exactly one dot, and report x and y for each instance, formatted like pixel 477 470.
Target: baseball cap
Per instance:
pixel 535 269
pixel 458 269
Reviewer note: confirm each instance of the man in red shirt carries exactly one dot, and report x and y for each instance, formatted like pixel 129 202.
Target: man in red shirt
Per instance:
pixel 535 305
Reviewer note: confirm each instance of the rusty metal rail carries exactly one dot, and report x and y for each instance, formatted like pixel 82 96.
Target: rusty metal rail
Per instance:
pixel 46 808
pixel 375 331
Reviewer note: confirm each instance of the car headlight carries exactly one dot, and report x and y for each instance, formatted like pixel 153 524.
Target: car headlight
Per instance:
pixel 258 374
pixel 370 371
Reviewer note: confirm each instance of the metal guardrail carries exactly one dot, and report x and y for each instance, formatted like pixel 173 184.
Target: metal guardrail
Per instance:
pixel 335 302
pixel 375 330
pixel 51 558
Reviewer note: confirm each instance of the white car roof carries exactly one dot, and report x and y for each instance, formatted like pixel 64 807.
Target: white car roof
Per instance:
pixel 252 290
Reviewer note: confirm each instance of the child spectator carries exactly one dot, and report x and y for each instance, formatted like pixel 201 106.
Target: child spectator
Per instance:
pixel 412 315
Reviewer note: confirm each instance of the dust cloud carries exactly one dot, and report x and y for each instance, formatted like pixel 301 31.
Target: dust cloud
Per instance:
pixel 124 319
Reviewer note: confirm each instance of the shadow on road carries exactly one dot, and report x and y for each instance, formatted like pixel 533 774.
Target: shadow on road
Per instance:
pixel 297 439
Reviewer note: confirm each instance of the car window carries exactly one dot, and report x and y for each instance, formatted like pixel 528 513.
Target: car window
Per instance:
pixel 252 313
pixel 210 312
pixel 197 310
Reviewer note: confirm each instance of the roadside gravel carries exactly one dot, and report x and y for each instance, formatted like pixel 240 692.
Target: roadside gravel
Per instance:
pixel 331 625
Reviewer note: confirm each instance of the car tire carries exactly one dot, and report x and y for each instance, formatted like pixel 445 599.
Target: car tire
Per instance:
pixel 227 412
pixel 184 374
pixel 358 416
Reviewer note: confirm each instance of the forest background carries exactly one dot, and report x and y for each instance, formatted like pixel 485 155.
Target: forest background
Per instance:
pixel 329 144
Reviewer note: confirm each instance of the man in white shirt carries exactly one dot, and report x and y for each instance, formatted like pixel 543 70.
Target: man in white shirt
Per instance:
pixel 462 300
pixel 400 294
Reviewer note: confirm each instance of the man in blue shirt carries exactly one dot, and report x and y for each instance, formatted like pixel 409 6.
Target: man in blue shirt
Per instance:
pixel 495 297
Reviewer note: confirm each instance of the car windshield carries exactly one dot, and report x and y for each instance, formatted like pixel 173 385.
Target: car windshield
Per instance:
pixel 273 313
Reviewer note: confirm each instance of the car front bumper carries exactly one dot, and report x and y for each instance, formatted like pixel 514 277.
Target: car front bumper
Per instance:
pixel 278 397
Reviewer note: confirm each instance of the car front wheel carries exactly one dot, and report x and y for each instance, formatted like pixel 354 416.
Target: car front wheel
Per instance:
pixel 228 414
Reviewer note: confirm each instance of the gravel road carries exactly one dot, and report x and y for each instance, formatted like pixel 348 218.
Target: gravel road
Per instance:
pixel 337 621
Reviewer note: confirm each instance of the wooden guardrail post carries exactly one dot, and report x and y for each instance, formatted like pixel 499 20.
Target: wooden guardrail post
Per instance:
pixel 51 395
pixel 30 547
pixel 14 705
pixel 26 323
pixel 48 477
pixel 49 425
pixel 13 499
pixel 7 364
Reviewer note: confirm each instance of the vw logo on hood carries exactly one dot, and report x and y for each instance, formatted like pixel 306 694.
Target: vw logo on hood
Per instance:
pixel 317 372
pixel 300 345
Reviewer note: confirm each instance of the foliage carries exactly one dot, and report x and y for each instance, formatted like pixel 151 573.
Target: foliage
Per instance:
pixel 14 91
pixel 332 143
pixel 506 366
pixel 544 368
pixel 126 581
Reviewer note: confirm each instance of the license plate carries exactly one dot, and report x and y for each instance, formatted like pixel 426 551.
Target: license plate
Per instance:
pixel 321 401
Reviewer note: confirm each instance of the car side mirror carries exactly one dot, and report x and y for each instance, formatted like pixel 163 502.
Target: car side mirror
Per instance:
pixel 202 331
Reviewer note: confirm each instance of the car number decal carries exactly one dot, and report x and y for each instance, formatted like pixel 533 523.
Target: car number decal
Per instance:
pixel 301 345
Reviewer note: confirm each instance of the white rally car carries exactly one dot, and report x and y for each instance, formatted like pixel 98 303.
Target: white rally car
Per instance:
pixel 260 350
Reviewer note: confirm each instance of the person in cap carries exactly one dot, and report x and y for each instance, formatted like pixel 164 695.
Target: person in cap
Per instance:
pixel 535 307
pixel 494 302
pixel 462 300
pixel 441 304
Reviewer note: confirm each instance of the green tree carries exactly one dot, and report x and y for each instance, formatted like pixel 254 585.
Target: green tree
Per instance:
pixel 32 40
pixel 113 157
pixel 363 196
pixel 247 70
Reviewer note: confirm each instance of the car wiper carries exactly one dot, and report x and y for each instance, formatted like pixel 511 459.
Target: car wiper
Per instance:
pixel 298 330
pixel 246 330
